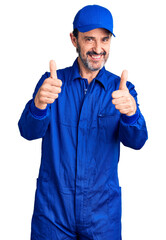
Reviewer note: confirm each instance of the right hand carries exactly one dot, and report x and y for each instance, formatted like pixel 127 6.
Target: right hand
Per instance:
pixel 49 90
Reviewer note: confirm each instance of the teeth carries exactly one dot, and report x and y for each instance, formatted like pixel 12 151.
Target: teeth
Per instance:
pixel 96 57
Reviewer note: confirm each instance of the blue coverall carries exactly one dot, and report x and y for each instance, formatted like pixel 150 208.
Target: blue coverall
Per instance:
pixel 78 194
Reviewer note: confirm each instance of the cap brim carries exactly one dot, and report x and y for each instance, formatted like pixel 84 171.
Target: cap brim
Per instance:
pixel 91 27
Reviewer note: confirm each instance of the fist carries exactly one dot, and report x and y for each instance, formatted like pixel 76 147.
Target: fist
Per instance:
pixel 49 90
pixel 122 99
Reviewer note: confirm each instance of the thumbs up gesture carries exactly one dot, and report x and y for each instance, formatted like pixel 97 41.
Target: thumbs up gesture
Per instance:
pixel 122 99
pixel 49 90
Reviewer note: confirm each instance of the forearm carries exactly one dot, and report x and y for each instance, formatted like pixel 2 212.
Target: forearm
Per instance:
pixel 34 122
pixel 133 130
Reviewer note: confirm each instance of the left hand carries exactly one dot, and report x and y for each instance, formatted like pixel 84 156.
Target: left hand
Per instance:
pixel 122 99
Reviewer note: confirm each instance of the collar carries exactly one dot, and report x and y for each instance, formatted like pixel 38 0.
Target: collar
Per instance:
pixel 101 76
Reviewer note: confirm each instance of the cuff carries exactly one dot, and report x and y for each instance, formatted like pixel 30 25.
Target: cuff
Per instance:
pixel 37 112
pixel 130 119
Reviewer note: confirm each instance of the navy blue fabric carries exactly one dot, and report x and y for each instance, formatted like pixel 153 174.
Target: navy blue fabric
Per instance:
pixel 78 194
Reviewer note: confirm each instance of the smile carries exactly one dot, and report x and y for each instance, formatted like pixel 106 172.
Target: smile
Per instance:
pixel 95 57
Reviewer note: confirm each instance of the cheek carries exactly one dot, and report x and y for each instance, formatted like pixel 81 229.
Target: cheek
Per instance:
pixel 108 49
pixel 83 49
pixel 84 52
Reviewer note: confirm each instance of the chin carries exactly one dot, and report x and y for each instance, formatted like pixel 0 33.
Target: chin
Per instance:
pixel 95 68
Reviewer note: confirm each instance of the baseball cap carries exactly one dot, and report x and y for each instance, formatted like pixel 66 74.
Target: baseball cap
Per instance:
pixel 91 17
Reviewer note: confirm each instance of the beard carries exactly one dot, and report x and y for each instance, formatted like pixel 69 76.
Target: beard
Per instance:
pixel 87 63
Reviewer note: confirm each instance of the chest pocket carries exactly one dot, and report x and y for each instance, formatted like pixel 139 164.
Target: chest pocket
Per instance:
pixel 108 128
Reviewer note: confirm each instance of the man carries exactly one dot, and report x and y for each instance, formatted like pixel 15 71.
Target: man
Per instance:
pixel 82 113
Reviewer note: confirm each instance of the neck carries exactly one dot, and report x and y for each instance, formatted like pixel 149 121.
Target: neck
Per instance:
pixel 86 73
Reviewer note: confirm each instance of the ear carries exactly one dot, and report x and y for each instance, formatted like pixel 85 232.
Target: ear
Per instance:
pixel 73 40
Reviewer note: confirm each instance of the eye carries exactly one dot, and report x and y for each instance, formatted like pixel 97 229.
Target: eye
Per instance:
pixel 89 39
pixel 106 39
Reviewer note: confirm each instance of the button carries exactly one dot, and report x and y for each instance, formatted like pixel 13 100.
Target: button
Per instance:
pixel 85 90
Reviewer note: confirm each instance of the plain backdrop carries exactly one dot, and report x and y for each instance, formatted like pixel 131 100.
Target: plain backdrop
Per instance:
pixel 35 31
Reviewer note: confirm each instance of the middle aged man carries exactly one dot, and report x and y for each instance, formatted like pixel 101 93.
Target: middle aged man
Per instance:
pixel 81 123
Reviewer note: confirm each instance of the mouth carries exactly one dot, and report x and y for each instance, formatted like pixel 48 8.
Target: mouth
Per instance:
pixel 95 57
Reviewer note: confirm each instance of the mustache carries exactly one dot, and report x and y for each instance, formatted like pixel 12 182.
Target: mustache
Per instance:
pixel 94 53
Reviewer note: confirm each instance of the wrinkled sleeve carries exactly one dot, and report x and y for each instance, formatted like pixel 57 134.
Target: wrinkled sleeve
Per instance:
pixel 132 130
pixel 34 122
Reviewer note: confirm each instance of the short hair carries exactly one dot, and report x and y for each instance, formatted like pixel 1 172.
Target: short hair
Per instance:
pixel 75 33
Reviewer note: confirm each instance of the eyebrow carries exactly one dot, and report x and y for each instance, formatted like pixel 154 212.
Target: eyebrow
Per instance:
pixel 85 37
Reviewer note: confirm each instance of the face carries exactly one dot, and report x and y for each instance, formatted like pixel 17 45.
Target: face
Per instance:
pixel 93 48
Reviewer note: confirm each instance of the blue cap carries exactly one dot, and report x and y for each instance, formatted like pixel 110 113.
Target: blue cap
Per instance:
pixel 91 17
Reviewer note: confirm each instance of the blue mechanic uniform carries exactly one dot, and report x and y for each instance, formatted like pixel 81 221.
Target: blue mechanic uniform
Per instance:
pixel 78 194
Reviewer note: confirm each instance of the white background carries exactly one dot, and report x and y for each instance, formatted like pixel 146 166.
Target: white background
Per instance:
pixel 32 33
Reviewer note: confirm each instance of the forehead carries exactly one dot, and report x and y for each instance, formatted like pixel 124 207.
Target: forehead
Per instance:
pixel 98 32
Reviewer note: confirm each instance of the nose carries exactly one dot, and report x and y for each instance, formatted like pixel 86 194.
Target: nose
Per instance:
pixel 97 47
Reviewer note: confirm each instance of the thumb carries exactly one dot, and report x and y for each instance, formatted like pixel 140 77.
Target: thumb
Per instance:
pixel 53 73
pixel 123 80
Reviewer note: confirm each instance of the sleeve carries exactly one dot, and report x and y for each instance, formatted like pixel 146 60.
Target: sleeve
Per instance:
pixel 34 122
pixel 132 130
